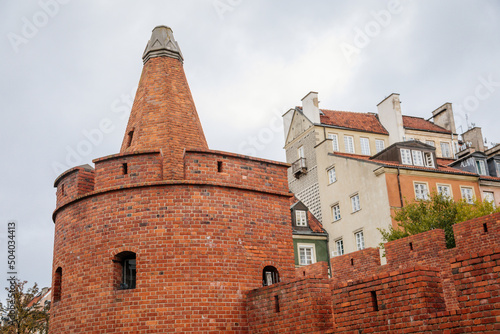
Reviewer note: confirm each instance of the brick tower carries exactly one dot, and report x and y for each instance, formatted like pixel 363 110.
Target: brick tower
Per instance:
pixel 167 236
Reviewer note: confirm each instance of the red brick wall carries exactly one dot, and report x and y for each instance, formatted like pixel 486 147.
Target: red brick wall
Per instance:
pixel 423 289
pixel 141 167
pixel 73 183
pixel 304 307
pixel 317 270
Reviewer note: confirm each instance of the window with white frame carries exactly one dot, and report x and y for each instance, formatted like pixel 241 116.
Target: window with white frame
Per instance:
pixel 336 212
pixel 445 150
pixel 365 145
pixel 339 247
pixel 300 152
pixel 355 203
pixel 300 218
pixel 335 141
pixel 421 191
pixel 428 159
pixel 349 144
pixel 481 167
pixel 444 190
pixel 379 145
pixel 498 168
pixel 306 254
pixel 489 197
pixel 467 194
pixel 360 240
pixel 417 158
pixel 405 156
pixel 430 142
pixel 332 175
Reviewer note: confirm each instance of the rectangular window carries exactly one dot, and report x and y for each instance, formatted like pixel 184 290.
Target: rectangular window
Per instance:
pixel 405 156
pixel 431 143
pixel 339 247
pixel 365 146
pixel 360 240
pixel 336 212
pixel 444 189
pixel 445 150
pixel 421 191
pixel 355 203
pixel 429 159
pixel 332 176
pixel 489 197
pixel 498 168
pixel 349 144
pixel 300 152
pixel 300 218
pixel 417 158
pixel 306 255
pixel 481 167
pixel 379 145
pixel 335 141
pixel 467 194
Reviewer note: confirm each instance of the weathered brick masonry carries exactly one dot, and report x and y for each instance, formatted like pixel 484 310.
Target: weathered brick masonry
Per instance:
pixel 202 224
pixel 424 288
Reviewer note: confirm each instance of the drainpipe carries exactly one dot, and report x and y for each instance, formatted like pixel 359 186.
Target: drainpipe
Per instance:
pixel 328 253
pixel 399 188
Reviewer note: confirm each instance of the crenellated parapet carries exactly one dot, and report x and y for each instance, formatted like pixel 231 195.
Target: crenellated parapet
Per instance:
pixel 127 169
pixel 73 183
pixel 423 288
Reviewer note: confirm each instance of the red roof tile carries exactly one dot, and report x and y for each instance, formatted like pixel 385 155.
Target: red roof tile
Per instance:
pixel 353 120
pixel 440 168
pixel 314 224
pixel 418 123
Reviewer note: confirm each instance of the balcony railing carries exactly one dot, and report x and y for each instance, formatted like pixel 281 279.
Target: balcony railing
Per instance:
pixel 299 167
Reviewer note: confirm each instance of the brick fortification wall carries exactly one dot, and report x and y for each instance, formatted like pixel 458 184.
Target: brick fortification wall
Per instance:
pixel 201 243
pixel 424 288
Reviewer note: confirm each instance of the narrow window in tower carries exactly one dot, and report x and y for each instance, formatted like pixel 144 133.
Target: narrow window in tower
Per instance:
pixel 374 300
pixel 57 284
pixel 219 166
pixel 129 138
pixel 277 303
pixel 125 169
pixel 125 270
pixel 63 192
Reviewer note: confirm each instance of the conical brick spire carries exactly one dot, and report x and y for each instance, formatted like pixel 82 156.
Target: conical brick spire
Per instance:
pixel 163 115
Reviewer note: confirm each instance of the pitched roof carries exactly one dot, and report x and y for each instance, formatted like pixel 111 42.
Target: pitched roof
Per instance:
pixel 439 169
pixel 366 122
pixel 313 223
pixel 418 123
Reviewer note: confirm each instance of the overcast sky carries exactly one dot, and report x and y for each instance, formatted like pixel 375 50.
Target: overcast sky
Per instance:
pixel 66 66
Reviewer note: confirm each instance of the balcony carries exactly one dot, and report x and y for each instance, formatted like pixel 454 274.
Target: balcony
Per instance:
pixel 299 167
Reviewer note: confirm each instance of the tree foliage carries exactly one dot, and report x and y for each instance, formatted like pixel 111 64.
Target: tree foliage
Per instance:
pixel 18 316
pixel 437 212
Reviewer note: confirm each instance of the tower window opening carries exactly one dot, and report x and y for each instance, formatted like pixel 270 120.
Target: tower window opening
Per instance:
pixel 374 300
pixel 485 228
pixel 57 284
pixel 63 191
pixel 277 303
pixel 129 138
pixel 219 166
pixel 270 276
pixel 125 169
pixel 126 270
pixel 411 245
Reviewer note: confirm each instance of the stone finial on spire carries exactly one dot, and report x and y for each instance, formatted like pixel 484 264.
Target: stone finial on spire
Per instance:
pixel 162 44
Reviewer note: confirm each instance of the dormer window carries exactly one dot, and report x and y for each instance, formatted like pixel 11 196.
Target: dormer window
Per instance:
pixel 481 167
pixel 405 156
pixel 300 218
pixel 417 158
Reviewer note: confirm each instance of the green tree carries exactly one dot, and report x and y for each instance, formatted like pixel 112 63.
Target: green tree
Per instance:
pixel 20 315
pixel 437 212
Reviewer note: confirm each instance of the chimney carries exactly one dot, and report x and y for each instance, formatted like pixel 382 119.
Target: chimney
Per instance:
pixel 310 107
pixel 443 116
pixel 389 111
pixel 474 138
